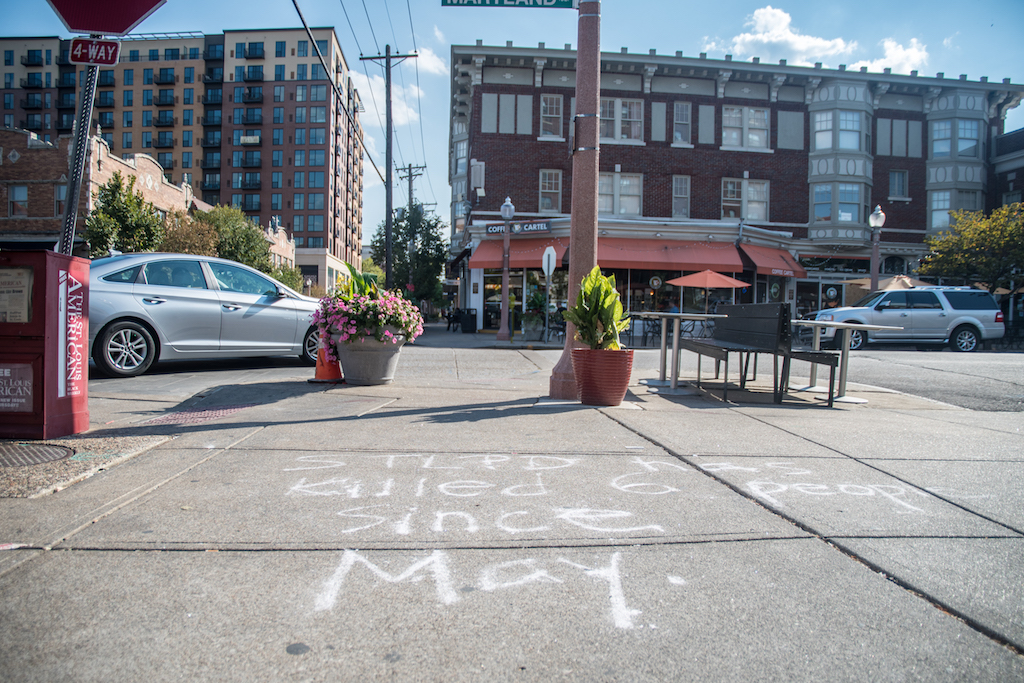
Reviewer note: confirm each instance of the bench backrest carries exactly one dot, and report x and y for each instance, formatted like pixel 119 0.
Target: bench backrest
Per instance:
pixel 762 326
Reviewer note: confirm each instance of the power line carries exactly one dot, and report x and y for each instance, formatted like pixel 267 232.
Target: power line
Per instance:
pixel 370 24
pixel 419 103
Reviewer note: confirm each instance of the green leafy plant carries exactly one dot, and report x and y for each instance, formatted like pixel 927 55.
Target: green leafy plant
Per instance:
pixel 359 284
pixel 598 314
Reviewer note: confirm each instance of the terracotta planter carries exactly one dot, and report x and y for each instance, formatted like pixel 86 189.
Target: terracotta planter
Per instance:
pixel 602 375
pixel 367 361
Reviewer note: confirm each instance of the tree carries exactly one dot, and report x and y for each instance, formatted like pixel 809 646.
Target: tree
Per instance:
pixel 428 257
pixel 185 234
pixel 979 249
pixel 122 220
pixel 238 238
pixel 288 276
pixel 370 267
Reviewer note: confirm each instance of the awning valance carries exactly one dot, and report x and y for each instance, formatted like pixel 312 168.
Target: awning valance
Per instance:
pixel 526 252
pixel 653 254
pixel 771 261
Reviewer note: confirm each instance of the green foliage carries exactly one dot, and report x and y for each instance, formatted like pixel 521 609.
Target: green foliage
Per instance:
pixel 184 234
pixel 979 249
pixel 598 314
pixel 371 268
pixel 238 238
pixel 426 262
pixel 292 277
pixel 122 220
pixel 358 284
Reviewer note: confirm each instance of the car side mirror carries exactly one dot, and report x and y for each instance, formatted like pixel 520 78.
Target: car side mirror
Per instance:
pixel 882 305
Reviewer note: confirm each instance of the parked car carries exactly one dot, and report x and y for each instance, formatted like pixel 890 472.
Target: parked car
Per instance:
pixel 149 307
pixel 962 316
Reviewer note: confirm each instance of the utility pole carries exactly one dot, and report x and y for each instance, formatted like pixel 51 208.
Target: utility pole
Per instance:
pixel 410 175
pixel 389 219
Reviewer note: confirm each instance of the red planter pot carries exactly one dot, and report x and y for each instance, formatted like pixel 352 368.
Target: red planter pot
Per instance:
pixel 602 375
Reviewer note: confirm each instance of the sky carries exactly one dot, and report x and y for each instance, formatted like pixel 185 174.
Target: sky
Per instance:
pixel 981 38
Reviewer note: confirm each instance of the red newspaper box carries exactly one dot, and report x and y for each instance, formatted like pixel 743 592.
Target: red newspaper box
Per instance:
pixel 44 345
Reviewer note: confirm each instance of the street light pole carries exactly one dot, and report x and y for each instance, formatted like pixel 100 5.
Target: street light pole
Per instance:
pixel 876 220
pixel 507 213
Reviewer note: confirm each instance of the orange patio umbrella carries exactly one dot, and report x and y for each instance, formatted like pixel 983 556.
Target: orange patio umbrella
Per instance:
pixel 707 279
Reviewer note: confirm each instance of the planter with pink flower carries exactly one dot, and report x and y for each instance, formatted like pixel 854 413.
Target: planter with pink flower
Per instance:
pixel 364 328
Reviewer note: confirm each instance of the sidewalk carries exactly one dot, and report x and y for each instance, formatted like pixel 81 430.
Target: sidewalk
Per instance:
pixel 458 525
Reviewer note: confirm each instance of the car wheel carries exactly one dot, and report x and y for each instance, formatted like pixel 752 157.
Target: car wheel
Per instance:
pixel 310 345
pixel 856 339
pixel 964 339
pixel 124 349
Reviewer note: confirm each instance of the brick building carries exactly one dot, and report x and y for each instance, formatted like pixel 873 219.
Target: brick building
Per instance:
pixel 247 118
pixel 767 171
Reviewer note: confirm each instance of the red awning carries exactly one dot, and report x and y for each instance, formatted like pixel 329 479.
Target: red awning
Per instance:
pixel 771 261
pixel 653 254
pixel 524 252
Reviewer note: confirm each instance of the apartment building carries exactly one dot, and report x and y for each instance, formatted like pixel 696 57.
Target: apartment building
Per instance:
pixel 247 118
pixel 766 171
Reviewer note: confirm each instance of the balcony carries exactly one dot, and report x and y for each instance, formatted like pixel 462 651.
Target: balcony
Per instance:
pixel 209 163
pixel 251 184
pixel 66 124
pixel 33 103
pixel 163 143
pixel 209 142
pixel 66 103
pixel 252 162
pixel 210 120
pixel 250 205
pixel 213 78
pixel 32 124
pixel 253 76
pixel 63 60
pixel 105 101
pixel 209 185
pixel 66 81
pixel 164 121
pixel 164 79
pixel 251 140
pixel 254 53
pixel 32 60
pixel 164 100
pixel 252 119
pixel 36 82
pixel 106 80
pixel 252 97
pixel 212 99
pixel 215 52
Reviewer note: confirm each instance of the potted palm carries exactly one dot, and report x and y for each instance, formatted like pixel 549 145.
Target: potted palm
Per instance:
pixel 533 320
pixel 366 328
pixel 602 370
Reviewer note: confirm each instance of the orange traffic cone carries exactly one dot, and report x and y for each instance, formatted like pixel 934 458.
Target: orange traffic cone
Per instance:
pixel 328 372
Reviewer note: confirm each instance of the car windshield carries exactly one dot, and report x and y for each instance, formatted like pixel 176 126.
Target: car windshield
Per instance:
pixel 870 300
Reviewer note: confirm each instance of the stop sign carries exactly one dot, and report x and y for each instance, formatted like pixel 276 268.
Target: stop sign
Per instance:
pixel 105 17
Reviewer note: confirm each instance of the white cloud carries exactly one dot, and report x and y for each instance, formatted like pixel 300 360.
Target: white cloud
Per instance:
pixel 430 63
pixel 773 37
pixel 897 57
pixel 949 42
pixel 440 36
pixel 372 95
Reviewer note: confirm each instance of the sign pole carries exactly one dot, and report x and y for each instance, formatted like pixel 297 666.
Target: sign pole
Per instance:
pixel 77 165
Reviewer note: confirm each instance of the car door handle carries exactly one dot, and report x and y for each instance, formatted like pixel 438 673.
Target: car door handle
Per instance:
pixel 231 307
pixel 154 300
pixel 904 315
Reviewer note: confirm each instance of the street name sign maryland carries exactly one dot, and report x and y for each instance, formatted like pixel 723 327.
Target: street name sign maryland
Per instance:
pixel 555 4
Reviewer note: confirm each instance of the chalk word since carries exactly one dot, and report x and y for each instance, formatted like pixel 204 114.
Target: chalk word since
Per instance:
pixel 492 578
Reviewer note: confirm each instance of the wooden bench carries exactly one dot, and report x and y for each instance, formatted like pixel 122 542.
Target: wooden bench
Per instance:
pixel 751 329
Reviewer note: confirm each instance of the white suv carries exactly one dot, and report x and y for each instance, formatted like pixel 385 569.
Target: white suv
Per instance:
pixel 962 316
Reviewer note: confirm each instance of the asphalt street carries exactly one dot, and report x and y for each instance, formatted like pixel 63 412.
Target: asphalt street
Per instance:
pixel 459 526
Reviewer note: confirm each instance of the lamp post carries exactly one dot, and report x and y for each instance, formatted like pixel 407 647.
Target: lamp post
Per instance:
pixel 507 212
pixel 876 220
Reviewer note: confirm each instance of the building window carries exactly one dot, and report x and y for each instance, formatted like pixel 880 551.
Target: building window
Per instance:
pixel 550 191
pixel 278 97
pixel 681 196
pixel 318 114
pixel 126 119
pixel 190 74
pixel 188 96
pixel 849 130
pixel 681 123
pixel 898 184
pixel 279 48
pixel 745 199
pixel 129 77
pixel 147 98
pixel 275 180
pixel 849 203
pixel 60 198
pixel 277 158
pixel 1011 198
pixel 315 202
pixel 299 201
pixel 316 179
pixel 967 200
pixel 277 136
pixel 620 193
pixel 129 98
pixel 300 136
pixel 461 148
pixel 317 136
pixel 147 118
pixel 744 127
pixel 278 114
pixel 278 75
pixel 318 93
pixel 823 203
pixel 147 77
pixel 314 224
pixel 186 159
pixel 17 204
pixel 299 223
pixel 303 48
pixel 147 139
pixel 186 117
pixel 275 202
pixel 551 116
pixel 300 72
pixel 940 205
pixel 622 120
pixel 300 157
pixel 299 179
pixel 942 138
pixel 300 114
pixel 822 130
pixel 126 140
pixel 967 138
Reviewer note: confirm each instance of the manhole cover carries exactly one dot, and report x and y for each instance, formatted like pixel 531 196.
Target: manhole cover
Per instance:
pixel 193 415
pixel 22 454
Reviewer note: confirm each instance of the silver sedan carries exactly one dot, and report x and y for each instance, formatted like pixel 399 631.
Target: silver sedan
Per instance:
pixel 149 307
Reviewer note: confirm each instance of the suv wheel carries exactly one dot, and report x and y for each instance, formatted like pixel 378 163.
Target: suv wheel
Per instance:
pixel 856 339
pixel 964 339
